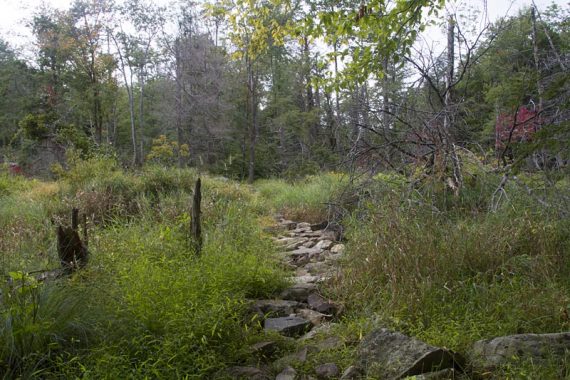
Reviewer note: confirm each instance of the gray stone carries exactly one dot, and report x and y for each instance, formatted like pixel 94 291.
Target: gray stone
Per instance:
pixel 327 371
pixel 252 373
pixel 491 353
pixel 338 249
pixel 329 343
pixel 288 326
pixel 309 244
pixel 307 279
pixel 276 308
pixel 315 317
pixel 303 251
pixel 297 244
pixel 324 244
pixel 351 373
pixel 318 268
pixel 304 225
pixel 288 373
pixel 318 303
pixel 387 354
pixel 298 292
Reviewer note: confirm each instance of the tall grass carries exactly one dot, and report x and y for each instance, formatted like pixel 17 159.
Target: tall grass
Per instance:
pixel 455 277
pixel 147 305
pixel 303 200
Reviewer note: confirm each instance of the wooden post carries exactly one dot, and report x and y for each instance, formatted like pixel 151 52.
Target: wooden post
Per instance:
pixel 195 228
pixel 75 219
pixel 85 236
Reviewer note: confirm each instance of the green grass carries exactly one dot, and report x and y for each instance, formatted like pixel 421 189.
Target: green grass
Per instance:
pixel 445 269
pixel 304 200
pixel 147 305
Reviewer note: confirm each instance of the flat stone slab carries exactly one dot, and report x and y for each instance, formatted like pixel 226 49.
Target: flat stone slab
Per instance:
pixel 491 353
pixel 288 326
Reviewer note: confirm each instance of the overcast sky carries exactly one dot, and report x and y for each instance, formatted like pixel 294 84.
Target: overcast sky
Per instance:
pixel 15 13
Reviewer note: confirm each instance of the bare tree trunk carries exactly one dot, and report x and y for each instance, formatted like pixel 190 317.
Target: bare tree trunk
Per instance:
pixel 179 101
pixel 536 57
pixel 253 126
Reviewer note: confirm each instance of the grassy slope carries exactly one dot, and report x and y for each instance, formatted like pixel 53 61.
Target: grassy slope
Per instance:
pixel 148 307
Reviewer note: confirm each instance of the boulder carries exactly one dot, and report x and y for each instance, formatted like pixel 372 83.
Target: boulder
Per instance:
pixel 288 373
pixel 327 371
pixel 288 326
pixel 386 354
pixel 491 353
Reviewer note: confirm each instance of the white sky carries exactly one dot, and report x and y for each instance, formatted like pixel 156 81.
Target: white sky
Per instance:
pixel 15 13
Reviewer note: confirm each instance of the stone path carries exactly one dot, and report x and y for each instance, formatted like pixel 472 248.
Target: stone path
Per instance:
pixel 310 252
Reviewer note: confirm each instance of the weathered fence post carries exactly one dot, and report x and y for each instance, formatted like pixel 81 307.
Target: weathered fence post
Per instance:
pixel 72 252
pixel 195 228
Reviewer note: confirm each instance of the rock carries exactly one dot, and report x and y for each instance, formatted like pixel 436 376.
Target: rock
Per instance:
pixel 264 349
pixel 309 244
pixel 252 373
pixel 327 371
pixel 288 326
pixel 307 279
pixel 338 249
pixel 274 308
pixel 318 268
pixel 324 328
pixel 324 244
pixel 491 353
pixel 311 315
pixel 295 244
pixel 301 272
pixel 297 357
pixel 303 251
pixel 288 373
pixel 318 303
pixel 298 292
pixel 387 354
pixel 304 225
pixel 329 343
pixel 351 373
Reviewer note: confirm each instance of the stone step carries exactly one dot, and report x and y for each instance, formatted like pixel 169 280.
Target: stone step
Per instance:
pixel 288 326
